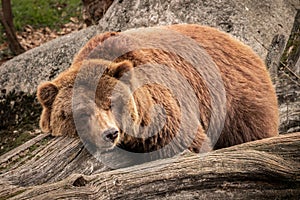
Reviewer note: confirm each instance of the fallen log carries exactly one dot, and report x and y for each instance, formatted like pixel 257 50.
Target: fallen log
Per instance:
pixel 62 168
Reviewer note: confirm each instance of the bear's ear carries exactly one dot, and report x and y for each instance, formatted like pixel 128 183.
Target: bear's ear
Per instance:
pixel 46 94
pixel 119 69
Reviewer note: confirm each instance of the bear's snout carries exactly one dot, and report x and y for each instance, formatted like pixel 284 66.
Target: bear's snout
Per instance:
pixel 110 135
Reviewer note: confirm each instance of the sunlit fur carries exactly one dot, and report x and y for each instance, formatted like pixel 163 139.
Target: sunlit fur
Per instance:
pixel 251 104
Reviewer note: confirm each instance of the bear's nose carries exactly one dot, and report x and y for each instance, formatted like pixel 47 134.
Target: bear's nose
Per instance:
pixel 110 135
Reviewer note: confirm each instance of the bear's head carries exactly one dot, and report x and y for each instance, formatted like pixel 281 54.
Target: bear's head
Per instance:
pixel 103 104
pixel 56 99
pixel 113 107
pixel 105 110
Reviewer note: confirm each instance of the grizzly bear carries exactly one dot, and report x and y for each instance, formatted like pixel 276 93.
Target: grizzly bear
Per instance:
pixel 162 89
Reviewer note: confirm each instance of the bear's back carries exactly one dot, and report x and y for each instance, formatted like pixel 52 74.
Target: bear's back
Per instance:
pixel 252 111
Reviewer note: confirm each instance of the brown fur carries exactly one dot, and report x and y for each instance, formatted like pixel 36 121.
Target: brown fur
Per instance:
pixel 251 103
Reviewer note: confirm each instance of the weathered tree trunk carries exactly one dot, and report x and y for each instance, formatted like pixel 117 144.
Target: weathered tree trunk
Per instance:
pixel 293 48
pixel 93 10
pixel 61 168
pixel 6 18
pixel 288 82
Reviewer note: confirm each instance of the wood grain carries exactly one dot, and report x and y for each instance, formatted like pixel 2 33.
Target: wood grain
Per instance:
pixel 265 169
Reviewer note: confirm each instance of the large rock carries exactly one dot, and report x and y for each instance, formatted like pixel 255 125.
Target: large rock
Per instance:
pixel 255 22
pixel 26 71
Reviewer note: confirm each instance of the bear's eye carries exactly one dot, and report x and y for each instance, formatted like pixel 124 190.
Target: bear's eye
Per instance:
pixel 107 105
pixel 84 115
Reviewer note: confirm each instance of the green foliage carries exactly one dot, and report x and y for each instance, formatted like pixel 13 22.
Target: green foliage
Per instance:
pixel 44 13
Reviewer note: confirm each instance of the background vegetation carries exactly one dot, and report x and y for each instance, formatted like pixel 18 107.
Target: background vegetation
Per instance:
pixel 42 13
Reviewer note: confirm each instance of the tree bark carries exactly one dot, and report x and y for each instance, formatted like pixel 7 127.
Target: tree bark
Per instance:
pixel 93 10
pixel 61 168
pixel 6 18
pixel 288 82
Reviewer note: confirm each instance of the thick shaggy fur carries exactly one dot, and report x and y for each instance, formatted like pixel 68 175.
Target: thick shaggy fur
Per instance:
pixel 251 104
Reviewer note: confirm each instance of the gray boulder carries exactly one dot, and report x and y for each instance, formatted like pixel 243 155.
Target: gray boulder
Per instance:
pixel 254 22
pixel 26 71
